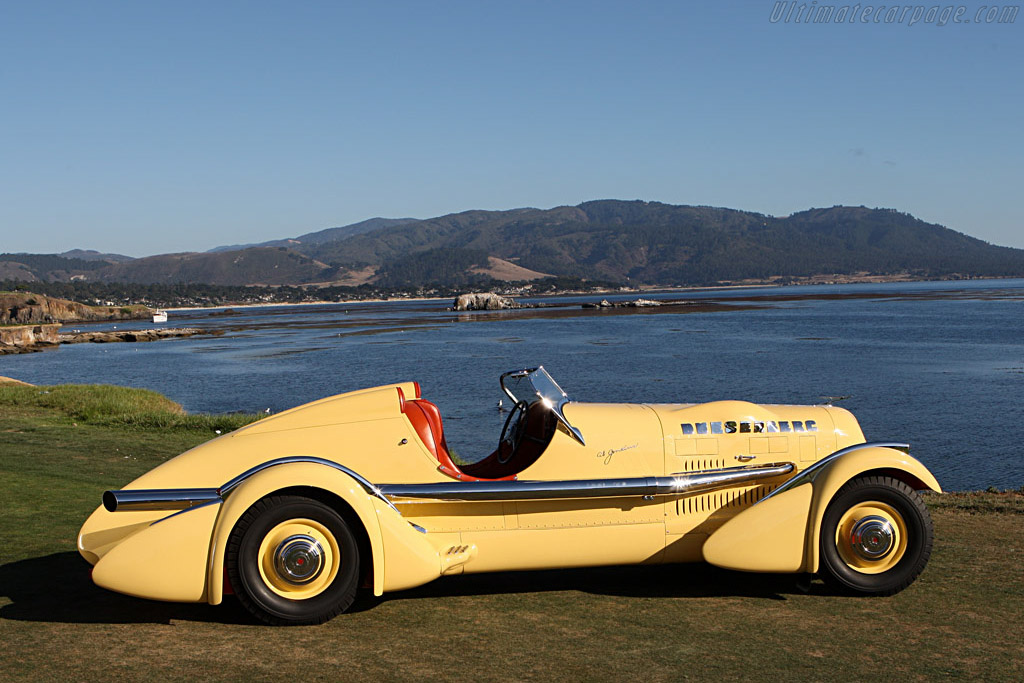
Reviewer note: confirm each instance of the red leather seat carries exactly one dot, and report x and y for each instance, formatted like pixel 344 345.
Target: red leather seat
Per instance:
pixel 425 418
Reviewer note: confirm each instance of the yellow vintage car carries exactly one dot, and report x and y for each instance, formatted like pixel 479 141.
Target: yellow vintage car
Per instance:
pixel 296 512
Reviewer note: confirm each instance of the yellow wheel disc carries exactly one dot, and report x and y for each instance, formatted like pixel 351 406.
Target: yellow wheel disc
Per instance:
pixel 299 559
pixel 871 537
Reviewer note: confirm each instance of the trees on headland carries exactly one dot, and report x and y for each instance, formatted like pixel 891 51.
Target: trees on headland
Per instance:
pixel 188 295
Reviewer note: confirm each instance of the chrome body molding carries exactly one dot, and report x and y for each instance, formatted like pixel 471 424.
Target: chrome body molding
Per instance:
pixel 809 474
pixel 675 484
pixel 184 499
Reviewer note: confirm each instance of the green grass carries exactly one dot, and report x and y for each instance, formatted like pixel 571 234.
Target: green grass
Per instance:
pixel 108 405
pixel 961 619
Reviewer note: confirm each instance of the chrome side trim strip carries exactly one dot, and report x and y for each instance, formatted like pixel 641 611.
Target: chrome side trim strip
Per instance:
pixel 675 484
pixel 233 483
pixel 363 481
pixel 809 474
pixel 183 499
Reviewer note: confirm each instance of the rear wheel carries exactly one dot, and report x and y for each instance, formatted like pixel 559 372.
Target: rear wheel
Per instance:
pixel 293 560
pixel 876 536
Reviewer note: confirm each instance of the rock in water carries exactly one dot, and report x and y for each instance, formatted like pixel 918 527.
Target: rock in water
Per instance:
pixel 488 301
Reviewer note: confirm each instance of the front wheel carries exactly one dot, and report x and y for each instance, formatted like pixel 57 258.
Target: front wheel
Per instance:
pixel 876 536
pixel 293 560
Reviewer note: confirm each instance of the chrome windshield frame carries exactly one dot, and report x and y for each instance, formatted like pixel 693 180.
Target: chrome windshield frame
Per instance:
pixel 545 390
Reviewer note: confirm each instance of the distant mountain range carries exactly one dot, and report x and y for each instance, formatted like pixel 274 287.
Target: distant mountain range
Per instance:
pixel 311 239
pixel 621 241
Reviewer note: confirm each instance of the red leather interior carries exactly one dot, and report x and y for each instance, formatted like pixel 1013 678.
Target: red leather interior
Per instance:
pixel 425 418
pixel 540 427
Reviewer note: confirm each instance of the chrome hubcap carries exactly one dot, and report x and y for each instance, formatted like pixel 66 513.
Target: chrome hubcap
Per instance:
pixel 299 559
pixel 872 537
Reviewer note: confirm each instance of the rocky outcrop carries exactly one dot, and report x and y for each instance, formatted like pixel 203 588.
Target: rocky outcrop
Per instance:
pixel 27 338
pixel 126 335
pixel 639 303
pixel 488 301
pixel 10 381
pixel 25 308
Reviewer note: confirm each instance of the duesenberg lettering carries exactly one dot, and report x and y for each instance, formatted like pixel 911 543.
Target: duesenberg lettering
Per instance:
pixel 607 455
pixel 734 427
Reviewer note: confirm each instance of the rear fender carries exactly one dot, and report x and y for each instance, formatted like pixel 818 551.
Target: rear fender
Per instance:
pixel 278 478
pixel 780 533
pixel 165 560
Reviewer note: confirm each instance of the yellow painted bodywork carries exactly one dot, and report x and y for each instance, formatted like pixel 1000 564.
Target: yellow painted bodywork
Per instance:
pixel 367 433
pixel 781 533
pixel 769 537
pixel 867 460
pixel 165 560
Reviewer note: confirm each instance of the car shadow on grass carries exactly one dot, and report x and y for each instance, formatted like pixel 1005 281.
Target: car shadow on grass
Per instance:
pixel 57 588
pixel 659 581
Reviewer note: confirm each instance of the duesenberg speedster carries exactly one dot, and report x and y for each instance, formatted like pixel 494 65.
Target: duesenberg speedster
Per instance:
pixel 297 511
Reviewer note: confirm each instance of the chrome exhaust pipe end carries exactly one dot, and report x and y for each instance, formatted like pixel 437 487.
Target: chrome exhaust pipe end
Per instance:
pixel 158 499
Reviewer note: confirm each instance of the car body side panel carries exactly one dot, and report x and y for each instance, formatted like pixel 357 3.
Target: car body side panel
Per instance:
pixel 411 557
pixel 725 434
pixel 729 433
pixel 453 517
pixel 557 548
pixel 768 537
pixel 355 406
pixel 102 531
pixel 165 561
pixel 622 440
pixel 363 431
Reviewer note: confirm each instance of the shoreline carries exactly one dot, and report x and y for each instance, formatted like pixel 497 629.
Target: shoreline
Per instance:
pixel 822 281
pixel 323 302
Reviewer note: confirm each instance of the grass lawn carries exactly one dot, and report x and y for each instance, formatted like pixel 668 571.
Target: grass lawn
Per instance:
pixel 962 618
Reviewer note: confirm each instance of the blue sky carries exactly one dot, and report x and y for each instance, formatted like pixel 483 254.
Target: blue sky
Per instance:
pixel 151 127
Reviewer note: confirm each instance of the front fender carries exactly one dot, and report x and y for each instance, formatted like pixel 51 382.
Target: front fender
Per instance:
pixel 834 476
pixel 780 532
pixel 286 476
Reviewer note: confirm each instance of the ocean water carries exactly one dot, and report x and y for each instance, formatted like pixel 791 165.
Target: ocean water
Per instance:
pixel 939 365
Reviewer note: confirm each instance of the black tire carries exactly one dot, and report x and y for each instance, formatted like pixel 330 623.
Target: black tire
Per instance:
pixel 293 560
pixel 875 554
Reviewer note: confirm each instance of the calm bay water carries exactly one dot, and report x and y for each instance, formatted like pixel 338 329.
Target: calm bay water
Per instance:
pixel 939 365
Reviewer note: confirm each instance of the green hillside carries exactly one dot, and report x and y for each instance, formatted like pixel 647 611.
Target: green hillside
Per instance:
pixel 653 243
pixel 617 241
pixel 256 265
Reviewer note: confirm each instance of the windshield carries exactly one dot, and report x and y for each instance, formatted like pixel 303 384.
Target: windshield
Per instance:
pixel 535 385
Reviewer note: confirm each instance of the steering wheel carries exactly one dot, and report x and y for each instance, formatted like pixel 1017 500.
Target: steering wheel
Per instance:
pixel 512 432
